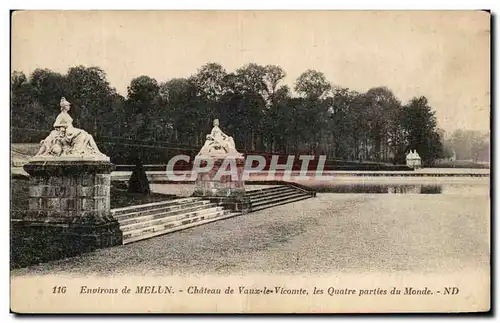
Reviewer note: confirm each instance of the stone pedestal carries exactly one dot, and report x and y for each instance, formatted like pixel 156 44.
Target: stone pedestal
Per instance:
pixel 227 190
pixel 68 211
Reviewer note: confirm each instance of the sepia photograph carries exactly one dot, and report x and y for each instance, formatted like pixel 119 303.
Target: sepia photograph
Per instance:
pixel 251 161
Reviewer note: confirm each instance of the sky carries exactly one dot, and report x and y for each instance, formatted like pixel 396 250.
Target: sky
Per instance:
pixel 443 55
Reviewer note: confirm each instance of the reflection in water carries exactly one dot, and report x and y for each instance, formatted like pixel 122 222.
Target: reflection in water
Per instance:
pixel 382 189
pixel 466 189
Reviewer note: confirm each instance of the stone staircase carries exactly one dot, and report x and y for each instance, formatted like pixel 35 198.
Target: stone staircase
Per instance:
pixel 145 221
pixel 277 195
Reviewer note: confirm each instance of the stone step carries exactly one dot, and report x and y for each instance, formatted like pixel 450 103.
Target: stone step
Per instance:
pixel 280 202
pixel 216 216
pixel 171 224
pixel 141 207
pixel 167 218
pixel 267 190
pixel 278 199
pixel 275 196
pixel 169 213
pixel 268 193
pixel 123 218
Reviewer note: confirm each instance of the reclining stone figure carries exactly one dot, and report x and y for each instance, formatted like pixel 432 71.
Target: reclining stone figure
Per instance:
pixel 218 144
pixel 66 140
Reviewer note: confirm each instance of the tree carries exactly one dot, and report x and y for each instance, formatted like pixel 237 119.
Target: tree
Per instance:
pixel 138 181
pixel 25 113
pixel 469 145
pixel 91 97
pixel 250 90
pixel 358 125
pixel 312 110
pixel 276 121
pixel 142 91
pixel 341 122
pixel 253 106
pixel 274 97
pixel 180 107
pixel 419 123
pixel 381 112
pixel 47 89
pixel 274 74
pixel 312 84
pixel 250 78
pixel 141 106
pixel 210 81
pixel 17 80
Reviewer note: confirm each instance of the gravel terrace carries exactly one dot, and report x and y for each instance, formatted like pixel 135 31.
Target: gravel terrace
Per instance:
pixel 329 233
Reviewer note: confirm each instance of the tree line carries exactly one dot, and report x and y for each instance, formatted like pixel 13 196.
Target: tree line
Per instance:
pixel 468 145
pixel 252 103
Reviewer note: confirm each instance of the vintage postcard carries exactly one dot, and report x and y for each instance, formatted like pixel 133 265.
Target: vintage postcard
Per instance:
pixel 250 161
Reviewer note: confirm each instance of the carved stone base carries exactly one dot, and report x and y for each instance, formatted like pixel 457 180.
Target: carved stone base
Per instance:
pixel 69 191
pixel 68 211
pixel 212 183
pixel 238 203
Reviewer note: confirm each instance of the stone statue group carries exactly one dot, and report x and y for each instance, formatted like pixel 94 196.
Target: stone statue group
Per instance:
pixel 66 140
pixel 218 144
